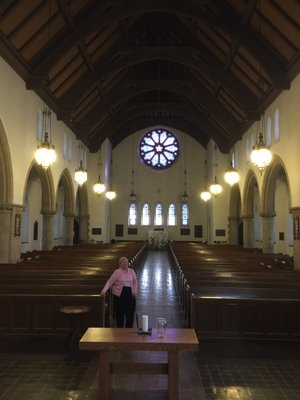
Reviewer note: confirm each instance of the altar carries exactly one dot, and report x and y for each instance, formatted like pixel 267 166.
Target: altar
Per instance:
pixel 158 239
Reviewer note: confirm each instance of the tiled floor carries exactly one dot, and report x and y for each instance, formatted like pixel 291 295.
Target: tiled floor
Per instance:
pixel 42 370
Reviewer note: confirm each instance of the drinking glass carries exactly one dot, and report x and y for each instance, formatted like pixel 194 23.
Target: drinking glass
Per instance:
pixel 161 326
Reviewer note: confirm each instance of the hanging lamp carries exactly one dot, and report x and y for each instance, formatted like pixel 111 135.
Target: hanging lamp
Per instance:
pixel 261 155
pixel 80 172
pixel 215 188
pixel 205 195
pixel 99 186
pixel 231 175
pixel 45 154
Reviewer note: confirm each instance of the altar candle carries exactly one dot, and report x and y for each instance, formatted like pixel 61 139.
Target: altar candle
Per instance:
pixel 145 323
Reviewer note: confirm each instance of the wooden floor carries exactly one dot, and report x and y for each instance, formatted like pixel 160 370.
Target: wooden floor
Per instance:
pixel 46 371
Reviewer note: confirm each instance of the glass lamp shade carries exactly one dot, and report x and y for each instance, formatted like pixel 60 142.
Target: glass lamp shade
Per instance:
pixel 231 176
pixel 215 188
pixel 99 187
pixel 110 195
pixel 45 154
pixel 80 175
pixel 205 195
pixel 261 155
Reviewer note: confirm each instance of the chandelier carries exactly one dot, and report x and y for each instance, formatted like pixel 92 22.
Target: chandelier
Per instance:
pixel 110 194
pixel 261 155
pixel 99 187
pixel 205 195
pixel 45 154
pixel 231 175
pixel 215 188
pixel 80 172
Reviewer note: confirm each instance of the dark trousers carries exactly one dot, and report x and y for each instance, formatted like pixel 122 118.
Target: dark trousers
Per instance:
pixel 125 308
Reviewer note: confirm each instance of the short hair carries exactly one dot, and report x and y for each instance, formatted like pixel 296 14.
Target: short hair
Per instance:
pixel 122 259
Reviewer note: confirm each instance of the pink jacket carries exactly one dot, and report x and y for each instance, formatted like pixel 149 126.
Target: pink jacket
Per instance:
pixel 116 281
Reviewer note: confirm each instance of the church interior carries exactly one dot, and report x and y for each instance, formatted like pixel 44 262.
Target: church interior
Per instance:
pixel 166 132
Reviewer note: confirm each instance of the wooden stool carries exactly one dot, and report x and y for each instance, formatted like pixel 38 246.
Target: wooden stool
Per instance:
pixel 75 313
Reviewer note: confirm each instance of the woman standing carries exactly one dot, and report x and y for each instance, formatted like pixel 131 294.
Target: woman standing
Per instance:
pixel 123 282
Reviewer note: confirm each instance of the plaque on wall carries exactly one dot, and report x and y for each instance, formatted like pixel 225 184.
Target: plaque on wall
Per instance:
pixel 96 231
pixel 184 231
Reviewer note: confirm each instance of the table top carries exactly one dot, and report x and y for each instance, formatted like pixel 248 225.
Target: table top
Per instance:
pixel 129 339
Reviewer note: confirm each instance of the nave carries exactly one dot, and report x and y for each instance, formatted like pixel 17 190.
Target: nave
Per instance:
pixel 40 369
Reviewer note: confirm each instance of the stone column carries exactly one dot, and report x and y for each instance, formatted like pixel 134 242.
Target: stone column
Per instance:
pixel 47 234
pixel 296 227
pixel 248 231
pixel 233 225
pixel 83 229
pixel 68 229
pixel 5 231
pixel 268 231
pixel 15 234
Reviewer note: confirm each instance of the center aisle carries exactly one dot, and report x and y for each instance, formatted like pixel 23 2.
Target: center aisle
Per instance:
pixel 156 294
pixel 156 298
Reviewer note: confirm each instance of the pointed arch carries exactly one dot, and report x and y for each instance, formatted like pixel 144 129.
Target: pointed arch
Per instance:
pixel 48 192
pixel 235 202
pixel 65 180
pixel 250 185
pixel 272 173
pixel 6 172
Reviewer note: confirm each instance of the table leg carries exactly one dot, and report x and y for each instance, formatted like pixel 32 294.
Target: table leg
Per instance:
pixel 173 375
pixel 104 375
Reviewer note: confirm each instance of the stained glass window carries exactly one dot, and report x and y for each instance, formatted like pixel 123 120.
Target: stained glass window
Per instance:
pixel 172 215
pixel 184 214
pixel 158 217
pixel 145 215
pixel 132 218
pixel 159 149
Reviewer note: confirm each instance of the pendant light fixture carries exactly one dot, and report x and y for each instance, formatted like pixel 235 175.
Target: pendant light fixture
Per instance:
pixel 132 194
pixel 215 188
pixel 99 187
pixel 185 196
pixel 110 194
pixel 81 172
pixel 261 155
pixel 231 175
pixel 205 195
pixel 45 154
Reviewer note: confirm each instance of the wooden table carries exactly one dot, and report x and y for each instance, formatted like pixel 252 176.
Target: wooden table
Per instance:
pixel 105 340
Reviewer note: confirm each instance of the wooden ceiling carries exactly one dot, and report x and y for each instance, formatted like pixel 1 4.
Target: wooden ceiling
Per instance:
pixel 109 68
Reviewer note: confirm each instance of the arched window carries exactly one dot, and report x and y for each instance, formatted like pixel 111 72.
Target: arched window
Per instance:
pixel 276 126
pixel 132 215
pixel 172 215
pixel 145 215
pixel 269 132
pixel 185 214
pixel 158 216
